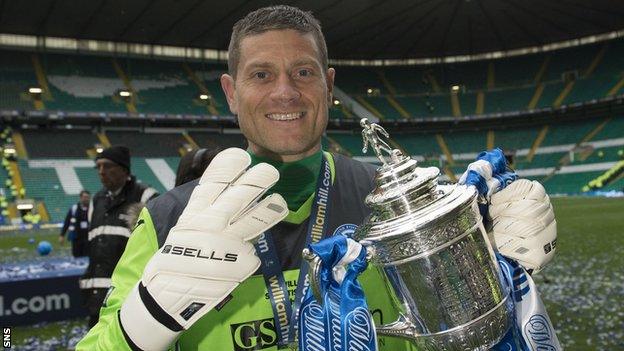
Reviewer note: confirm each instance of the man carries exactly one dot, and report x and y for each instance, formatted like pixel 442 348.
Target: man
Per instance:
pixel 111 215
pixel 187 277
pixel 77 223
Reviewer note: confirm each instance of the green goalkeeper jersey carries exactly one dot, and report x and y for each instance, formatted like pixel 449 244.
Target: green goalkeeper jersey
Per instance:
pixel 244 320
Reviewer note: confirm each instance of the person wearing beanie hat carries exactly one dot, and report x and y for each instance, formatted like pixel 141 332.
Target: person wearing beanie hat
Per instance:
pixel 111 216
pixel 118 154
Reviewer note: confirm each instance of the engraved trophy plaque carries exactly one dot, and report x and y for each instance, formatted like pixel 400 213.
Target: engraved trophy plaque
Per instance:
pixel 434 254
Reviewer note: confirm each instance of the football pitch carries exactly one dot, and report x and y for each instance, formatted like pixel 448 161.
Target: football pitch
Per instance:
pixel 583 287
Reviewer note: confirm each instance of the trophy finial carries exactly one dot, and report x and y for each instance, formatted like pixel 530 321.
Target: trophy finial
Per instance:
pixel 370 135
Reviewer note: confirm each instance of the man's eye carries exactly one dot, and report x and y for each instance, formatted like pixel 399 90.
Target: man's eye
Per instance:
pixel 260 75
pixel 305 73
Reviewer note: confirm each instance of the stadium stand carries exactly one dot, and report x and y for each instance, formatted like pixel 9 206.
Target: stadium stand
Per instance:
pixel 91 83
pixel 67 143
pixel 16 76
pixel 148 144
pixel 565 154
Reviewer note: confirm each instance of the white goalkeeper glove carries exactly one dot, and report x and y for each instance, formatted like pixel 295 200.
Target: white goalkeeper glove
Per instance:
pixel 207 254
pixel 523 225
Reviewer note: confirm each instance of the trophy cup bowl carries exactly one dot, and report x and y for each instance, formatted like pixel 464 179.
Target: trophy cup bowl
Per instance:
pixel 429 243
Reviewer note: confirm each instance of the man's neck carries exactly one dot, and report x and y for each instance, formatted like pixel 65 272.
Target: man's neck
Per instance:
pixel 118 189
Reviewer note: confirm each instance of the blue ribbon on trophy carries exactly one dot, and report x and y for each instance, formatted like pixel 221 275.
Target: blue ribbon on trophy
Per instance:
pixel 532 329
pixel 489 174
pixel 343 318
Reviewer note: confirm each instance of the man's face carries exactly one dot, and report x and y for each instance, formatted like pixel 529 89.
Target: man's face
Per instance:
pixel 112 175
pixel 84 199
pixel 281 94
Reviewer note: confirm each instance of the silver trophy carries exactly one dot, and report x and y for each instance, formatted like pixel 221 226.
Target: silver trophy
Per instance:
pixel 434 254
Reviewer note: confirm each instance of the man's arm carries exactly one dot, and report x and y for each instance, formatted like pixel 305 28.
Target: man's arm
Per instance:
pixel 66 223
pixel 107 333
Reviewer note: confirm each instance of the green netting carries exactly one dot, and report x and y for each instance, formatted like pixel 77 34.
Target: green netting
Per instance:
pixel 58 143
pixel 550 94
pixel 518 70
pixel 471 75
pixel 466 141
pixel 468 103
pixel 82 65
pixel 418 144
pixel 508 99
pixel 416 106
pixel 221 140
pixel 570 183
pixel 607 154
pixel 441 104
pixel 407 80
pixel 586 89
pixel 541 161
pixel 356 80
pixel 515 138
pixel 350 142
pixel 384 107
pixel 578 58
pixel 43 183
pixel 145 175
pixel 562 132
pixel 16 76
pixel 612 130
pixel 148 145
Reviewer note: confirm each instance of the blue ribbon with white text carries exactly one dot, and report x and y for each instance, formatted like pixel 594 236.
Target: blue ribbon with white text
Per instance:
pixel 344 318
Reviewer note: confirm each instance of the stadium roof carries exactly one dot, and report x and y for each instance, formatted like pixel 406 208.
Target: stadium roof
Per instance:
pixel 354 29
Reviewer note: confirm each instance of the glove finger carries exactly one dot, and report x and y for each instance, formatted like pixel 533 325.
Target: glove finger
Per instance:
pixel 519 209
pixel 259 218
pixel 201 198
pixel 520 189
pixel 517 228
pixel 226 166
pixel 246 190
pixel 211 221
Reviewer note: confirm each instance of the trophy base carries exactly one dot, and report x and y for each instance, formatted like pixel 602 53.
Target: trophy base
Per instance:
pixel 480 334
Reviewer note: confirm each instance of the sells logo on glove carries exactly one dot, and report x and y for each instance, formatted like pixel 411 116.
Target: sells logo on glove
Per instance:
pixel 194 252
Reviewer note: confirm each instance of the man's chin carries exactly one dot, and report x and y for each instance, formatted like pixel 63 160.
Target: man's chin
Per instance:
pixel 290 150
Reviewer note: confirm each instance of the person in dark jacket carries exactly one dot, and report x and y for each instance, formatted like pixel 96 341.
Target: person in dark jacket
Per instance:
pixel 193 164
pixel 112 214
pixel 76 226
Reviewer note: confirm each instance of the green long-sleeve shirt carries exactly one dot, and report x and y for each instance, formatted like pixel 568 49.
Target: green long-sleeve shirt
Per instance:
pixel 246 321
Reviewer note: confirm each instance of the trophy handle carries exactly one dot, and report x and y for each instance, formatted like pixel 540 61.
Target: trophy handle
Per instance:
pixel 402 328
pixel 315 273
pixel 315 270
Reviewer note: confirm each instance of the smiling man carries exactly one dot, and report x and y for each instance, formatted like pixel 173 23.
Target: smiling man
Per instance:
pixel 190 275
pixel 214 264
pixel 280 88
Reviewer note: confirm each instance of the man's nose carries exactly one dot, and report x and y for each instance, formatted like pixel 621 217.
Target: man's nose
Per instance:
pixel 285 89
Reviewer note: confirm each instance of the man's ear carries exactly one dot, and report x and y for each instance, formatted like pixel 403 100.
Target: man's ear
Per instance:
pixel 331 73
pixel 227 84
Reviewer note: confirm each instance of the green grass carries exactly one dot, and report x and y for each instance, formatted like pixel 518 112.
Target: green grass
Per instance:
pixel 14 245
pixel 583 287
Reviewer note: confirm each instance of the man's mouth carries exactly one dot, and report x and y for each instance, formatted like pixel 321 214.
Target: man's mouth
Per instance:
pixel 290 116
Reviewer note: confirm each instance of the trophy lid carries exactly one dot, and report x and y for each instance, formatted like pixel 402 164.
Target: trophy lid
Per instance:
pixel 405 192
